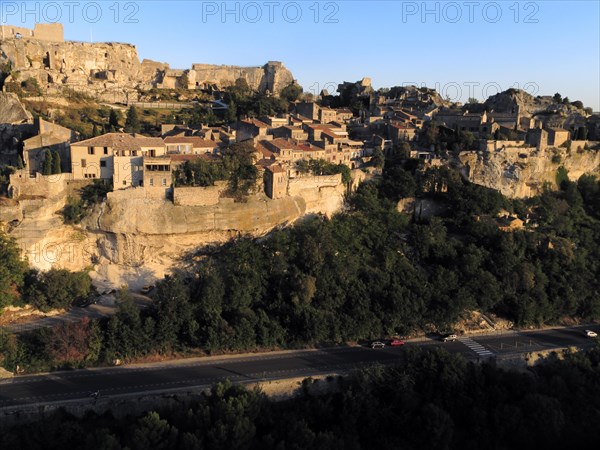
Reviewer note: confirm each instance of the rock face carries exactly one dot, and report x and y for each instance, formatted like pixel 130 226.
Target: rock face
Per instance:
pixel 272 77
pixel 522 173
pixel 112 72
pixel 107 71
pixel 12 110
pixel 16 124
pixel 132 240
pixel 546 109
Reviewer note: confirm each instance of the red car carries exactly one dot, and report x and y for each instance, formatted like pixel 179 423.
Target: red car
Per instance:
pixel 396 342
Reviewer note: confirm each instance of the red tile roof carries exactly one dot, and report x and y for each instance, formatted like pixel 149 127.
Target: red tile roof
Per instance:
pixel 121 141
pixel 196 141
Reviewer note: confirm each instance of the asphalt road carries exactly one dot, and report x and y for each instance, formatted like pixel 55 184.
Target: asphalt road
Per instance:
pixel 22 392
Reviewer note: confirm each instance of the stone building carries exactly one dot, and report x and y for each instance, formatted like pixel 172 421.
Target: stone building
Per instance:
pixel 275 180
pixel 190 145
pixel 49 137
pixel 157 172
pixel 116 156
pixel 50 32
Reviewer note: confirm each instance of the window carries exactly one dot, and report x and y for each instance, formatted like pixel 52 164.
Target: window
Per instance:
pixel 90 150
pixel 151 181
pixel 124 182
pixel 83 163
pixel 164 181
pixel 106 150
pixel 102 163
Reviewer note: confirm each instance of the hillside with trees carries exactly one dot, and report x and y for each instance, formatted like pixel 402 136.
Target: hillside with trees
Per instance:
pixel 368 272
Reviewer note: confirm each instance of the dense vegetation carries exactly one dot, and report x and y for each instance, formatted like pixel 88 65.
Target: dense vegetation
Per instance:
pixel 76 208
pixel 370 272
pixel 433 401
pixel 322 167
pixel 234 165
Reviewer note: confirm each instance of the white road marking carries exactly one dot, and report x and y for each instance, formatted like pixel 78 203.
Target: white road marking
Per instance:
pixel 477 348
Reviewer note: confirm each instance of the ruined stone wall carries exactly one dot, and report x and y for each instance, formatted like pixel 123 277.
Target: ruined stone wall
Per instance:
pixel 44 186
pixel 297 185
pixel 137 193
pixel 107 71
pixel 112 72
pixel 322 194
pixel 52 32
pixel 273 76
pixel 199 196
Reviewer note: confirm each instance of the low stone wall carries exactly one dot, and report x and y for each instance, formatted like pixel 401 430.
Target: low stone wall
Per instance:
pixel 138 193
pixel 296 186
pixel 199 196
pixel 46 186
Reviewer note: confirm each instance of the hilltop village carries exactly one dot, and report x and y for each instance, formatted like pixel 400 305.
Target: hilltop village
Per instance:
pixel 143 162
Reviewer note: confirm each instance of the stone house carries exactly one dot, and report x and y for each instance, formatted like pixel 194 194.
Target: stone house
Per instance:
pixel 190 145
pixel 327 115
pixel 290 132
pixel 116 156
pixel 401 115
pixel 309 110
pixel 401 132
pixel 250 129
pixel 343 115
pixel 558 136
pixel 464 121
pixel 49 137
pixel 275 181
pixel 157 172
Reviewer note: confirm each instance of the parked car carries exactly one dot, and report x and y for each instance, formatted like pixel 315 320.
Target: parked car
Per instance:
pixel 591 334
pixel 377 344
pixel 396 342
pixel 449 337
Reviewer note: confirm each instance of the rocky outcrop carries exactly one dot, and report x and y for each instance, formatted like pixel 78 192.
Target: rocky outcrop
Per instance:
pixel 112 72
pixel 522 172
pixel 108 71
pixel 12 110
pixel 132 240
pixel 544 108
pixel 16 124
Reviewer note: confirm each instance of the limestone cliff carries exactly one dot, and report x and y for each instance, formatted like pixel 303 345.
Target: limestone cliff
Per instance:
pixel 112 72
pixel 109 71
pixel 522 172
pixel 133 240
pixel 544 108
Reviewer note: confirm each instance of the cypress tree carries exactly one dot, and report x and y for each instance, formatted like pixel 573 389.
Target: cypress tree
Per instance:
pixel 132 122
pixel 47 164
pixel 56 162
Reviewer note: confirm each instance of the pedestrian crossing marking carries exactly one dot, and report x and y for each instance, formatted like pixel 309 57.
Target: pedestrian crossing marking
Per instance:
pixel 477 348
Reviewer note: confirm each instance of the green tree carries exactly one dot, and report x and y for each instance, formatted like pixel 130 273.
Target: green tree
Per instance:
pixel 47 164
pixel 132 121
pixel 378 158
pixel 114 118
pixel 56 169
pixel 231 114
pixel 12 270
pixel 291 92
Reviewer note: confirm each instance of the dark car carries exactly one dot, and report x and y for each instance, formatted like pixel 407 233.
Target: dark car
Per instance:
pixel 396 342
